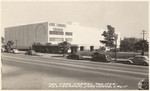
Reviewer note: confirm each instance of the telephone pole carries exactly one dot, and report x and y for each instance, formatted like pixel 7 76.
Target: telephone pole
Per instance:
pixel 116 37
pixel 143 33
pixel 143 41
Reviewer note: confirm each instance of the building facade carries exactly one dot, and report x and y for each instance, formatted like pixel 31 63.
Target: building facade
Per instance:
pixel 24 36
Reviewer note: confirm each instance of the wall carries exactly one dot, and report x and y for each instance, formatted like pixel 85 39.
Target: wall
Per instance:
pixel 86 36
pixel 25 35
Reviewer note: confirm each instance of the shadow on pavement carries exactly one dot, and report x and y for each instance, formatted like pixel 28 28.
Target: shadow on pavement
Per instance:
pixel 58 56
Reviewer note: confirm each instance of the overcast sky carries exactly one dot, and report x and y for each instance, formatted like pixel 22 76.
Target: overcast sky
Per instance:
pixel 128 18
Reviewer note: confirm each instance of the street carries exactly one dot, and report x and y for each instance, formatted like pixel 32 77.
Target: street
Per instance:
pixel 24 72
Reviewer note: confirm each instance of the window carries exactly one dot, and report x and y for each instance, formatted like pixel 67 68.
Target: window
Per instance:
pixel 68 39
pixel 56 32
pixel 56 39
pixel 68 33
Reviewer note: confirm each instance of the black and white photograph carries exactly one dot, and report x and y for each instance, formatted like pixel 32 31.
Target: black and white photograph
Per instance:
pixel 75 45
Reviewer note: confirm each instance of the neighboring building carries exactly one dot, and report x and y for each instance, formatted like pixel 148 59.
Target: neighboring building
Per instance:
pixel 24 36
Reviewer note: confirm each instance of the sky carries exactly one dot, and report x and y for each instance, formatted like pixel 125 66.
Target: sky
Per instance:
pixel 128 18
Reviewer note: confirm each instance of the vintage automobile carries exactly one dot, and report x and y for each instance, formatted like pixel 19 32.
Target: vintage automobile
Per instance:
pixel 139 59
pixel 30 52
pixel 76 56
pixel 3 49
pixel 100 57
pixel 15 51
pixel 143 84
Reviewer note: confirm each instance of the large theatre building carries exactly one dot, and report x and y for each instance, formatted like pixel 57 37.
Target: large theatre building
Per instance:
pixel 24 36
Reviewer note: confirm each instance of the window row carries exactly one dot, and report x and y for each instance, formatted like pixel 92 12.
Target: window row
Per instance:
pixel 60 33
pixel 56 32
pixel 56 39
pixel 68 39
pixel 60 39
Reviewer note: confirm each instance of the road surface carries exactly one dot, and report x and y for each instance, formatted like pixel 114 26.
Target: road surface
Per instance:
pixel 24 72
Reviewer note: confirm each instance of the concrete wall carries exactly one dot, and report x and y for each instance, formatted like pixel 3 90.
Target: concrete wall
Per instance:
pixel 86 36
pixel 25 35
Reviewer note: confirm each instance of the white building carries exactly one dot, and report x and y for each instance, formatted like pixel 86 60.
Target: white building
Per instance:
pixel 24 36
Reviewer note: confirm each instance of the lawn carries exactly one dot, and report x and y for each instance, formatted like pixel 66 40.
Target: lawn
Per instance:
pixel 121 55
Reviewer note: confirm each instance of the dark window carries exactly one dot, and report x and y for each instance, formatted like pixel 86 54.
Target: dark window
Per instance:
pixel 81 48
pixel 56 39
pixel 56 32
pixel 69 33
pixel 91 48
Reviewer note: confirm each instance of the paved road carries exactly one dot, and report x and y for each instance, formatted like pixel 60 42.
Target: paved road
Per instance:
pixel 25 72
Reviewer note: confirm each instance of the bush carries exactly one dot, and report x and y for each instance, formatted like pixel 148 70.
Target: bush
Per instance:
pixel 121 55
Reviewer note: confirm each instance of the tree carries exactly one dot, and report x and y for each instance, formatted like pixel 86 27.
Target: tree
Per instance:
pixel 9 45
pixel 127 44
pixel 141 44
pixel 2 40
pixel 102 48
pixel 109 37
pixel 64 47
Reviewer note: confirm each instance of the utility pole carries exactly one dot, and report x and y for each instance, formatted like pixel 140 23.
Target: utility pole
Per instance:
pixel 116 37
pixel 143 41
pixel 143 33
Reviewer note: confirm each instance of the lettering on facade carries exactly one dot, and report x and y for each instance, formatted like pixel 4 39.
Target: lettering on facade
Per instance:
pixel 57 29
pixel 57 25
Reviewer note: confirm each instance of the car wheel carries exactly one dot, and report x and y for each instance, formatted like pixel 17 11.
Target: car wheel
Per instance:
pixel 76 58
pixel 128 62
pixel 81 58
pixel 93 59
pixel 68 57
pixel 145 64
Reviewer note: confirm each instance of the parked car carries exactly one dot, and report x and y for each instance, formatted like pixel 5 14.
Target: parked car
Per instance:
pixel 3 49
pixel 100 57
pixel 15 51
pixel 9 51
pixel 30 52
pixel 74 56
pixel 139 59
pixel 143 84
